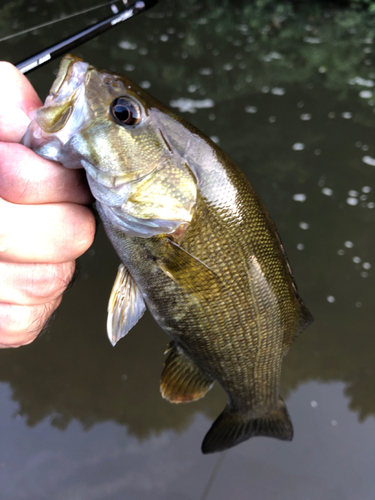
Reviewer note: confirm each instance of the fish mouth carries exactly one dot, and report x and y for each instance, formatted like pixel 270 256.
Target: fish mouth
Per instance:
pixel 63 114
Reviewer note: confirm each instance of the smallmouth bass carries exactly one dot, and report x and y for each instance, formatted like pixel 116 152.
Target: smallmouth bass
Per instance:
pixel 196 243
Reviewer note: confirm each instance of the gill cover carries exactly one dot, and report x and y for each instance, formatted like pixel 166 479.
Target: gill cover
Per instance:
pixel 142 185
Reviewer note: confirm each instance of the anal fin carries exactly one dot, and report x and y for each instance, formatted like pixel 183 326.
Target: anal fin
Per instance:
pixel 232 428
pixel 125 307
pixel 182 381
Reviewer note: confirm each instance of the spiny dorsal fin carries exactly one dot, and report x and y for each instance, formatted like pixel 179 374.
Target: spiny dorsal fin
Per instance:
pixel 125 306
pixel 232 428
pixel 182 381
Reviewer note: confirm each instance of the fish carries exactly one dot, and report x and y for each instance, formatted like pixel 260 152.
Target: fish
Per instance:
pixel 196 244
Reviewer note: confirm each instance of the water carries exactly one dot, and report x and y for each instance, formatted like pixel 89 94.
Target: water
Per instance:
pixel 289 99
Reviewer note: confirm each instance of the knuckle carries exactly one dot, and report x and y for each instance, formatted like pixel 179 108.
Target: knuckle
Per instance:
pixel 20 325
pixel 84 231
pixel 51 280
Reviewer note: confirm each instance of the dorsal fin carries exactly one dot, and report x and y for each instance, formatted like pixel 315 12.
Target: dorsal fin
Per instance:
pixel 182 381
pixel 305 318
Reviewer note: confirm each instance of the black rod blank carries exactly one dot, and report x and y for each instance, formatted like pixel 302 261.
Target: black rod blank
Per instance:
pixel 83 36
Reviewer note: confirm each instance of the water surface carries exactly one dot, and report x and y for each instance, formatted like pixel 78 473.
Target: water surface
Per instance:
pixel 290 99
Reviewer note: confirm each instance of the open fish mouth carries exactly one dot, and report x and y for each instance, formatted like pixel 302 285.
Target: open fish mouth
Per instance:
pixel 63 115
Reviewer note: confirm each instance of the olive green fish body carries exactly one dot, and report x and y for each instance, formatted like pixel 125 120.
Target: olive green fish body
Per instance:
pixel 196 244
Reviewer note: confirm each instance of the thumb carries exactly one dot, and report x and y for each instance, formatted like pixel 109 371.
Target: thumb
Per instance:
pixel 17 101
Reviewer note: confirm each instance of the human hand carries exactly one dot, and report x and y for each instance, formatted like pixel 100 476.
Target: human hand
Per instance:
pixel 44 225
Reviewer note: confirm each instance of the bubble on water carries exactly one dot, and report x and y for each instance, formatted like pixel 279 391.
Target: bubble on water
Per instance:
pixel 192 88
pixel 327 191
pixel 363 197
pixel 272 119
pixel 366 265
pixel 191 105
pixel 145 84
pixel 341 252
pixel 299 197
pixel 205 71
pixel 322 69
pixel 349 244
pixel 312 39
pixel 215 138
pixel 365 147
pixel 212 116
pixel 365 94
pixel 352 192
pixel 272 56
pixel 300 246
pixel 228 66
pixel 347 115
pixel 249 79
pixel 371 204
pixel 334 423
pixel 251 109
pixel 361 81
pixel 369 161
pixel 305 117
pixel 129 67
pixel 366 189
pixel 331 114
pixel 364 274
pixel 358 144
pixel 300 104
pixel 317 152
pixel 313 404
pixel 356 260
pixel 304 225
pixel 352 201
pixel 265 89
pixel 124 44
pixel 298 146
pixel 164 38
pixel 331 299
pixel 278 91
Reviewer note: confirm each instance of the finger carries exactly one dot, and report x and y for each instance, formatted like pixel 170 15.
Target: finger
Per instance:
pixel 52 233
pixel 17 101
pixel 27 178
pixel 33 284
pixel 20 325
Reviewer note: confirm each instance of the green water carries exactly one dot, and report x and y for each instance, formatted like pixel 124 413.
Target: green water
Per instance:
pixel 289 96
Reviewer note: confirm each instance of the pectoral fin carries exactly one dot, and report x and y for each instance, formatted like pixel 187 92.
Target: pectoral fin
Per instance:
pixel 125 306
pixel 189 272
pixel 182 381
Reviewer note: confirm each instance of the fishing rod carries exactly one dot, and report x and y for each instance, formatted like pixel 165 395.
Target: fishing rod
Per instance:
pixel 83 36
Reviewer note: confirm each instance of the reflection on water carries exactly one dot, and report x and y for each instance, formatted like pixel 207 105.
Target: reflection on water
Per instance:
pixel 294 109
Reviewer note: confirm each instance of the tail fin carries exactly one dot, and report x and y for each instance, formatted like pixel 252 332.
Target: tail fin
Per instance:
pixel 231 428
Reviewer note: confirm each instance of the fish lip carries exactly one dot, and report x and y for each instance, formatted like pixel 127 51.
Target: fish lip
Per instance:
pixel 43 144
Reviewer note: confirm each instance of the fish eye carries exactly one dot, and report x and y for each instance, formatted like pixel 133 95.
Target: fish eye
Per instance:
pixel 125 111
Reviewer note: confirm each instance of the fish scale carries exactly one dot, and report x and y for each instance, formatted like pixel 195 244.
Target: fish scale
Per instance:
pixel 197 246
